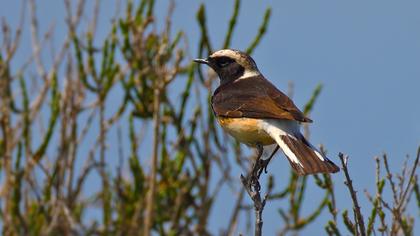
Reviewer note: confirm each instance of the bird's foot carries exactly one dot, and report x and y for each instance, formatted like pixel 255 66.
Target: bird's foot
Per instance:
pixel 258 167
pixel 263 163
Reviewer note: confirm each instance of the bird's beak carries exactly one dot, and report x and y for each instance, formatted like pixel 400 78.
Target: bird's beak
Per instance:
pixel 202 61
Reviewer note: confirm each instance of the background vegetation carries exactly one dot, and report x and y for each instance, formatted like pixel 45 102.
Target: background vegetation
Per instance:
pixel 60 116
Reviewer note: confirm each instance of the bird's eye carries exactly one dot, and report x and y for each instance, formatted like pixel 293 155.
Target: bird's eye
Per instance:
pixel 224 61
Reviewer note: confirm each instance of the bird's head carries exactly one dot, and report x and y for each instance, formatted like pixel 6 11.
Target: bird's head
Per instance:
pixel 230 64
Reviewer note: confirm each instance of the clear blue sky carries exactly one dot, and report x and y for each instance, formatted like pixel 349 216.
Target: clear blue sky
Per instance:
pixel 365 53
pixel 367 56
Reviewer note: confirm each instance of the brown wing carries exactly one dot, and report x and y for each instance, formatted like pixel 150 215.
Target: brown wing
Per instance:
pixel 254 97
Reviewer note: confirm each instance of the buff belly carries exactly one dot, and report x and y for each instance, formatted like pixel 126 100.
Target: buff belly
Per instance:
pixel 246 130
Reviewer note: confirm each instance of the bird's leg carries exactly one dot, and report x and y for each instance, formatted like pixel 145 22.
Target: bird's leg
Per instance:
pixel 264 162
pixel 255 171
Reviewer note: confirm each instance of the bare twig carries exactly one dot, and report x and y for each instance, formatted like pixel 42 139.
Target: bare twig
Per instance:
pixel 413 171
pixel 356 207
pixel 258 204
pixel 253 187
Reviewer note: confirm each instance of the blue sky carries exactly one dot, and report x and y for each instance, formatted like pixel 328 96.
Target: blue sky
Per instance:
pixel 365 53
pixel 367 56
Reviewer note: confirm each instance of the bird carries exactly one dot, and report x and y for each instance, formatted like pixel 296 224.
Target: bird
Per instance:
pixel 252 110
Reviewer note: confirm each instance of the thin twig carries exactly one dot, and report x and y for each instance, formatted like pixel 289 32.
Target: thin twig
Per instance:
pixel 349 184
pixel 258 204
pixel 148 220
pixel 252 186
pixel 413 171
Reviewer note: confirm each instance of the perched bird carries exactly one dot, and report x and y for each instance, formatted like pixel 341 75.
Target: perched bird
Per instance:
pixel 256 113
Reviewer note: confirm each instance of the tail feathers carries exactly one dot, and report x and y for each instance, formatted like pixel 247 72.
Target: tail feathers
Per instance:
pixel 304 158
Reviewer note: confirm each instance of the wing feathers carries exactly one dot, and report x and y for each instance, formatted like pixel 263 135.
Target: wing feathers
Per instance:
pixel 254 97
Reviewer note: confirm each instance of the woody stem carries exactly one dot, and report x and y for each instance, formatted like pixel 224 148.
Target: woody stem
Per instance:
pixel 252 186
